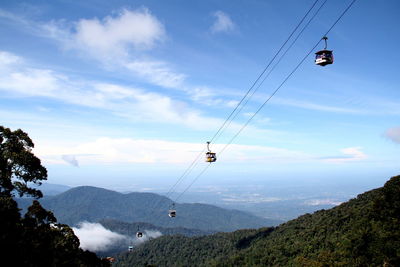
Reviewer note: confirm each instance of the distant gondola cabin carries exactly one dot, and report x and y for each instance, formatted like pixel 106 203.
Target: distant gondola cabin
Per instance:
pixel 172 213
pixel 324 57
pixel 139 234
pixel 211 157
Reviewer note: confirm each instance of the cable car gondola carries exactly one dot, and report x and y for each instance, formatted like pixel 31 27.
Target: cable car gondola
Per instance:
pixel 138 233
pixel 324 57
pixel 172 211
pixel 210 156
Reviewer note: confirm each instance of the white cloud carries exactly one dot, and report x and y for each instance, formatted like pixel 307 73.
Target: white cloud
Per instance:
pixel 134 103
pixel 120 43
pixel 129 29
pixel 31 82
pixel 127 150
pixel 223 23
pixel 393 134
pixel 94 237
pixel 349 154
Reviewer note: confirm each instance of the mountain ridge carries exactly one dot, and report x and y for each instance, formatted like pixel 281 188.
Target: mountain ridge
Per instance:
pixel 88 203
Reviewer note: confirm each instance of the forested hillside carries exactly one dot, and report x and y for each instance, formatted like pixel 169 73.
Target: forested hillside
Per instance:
pixel 92 204
pixel 364 231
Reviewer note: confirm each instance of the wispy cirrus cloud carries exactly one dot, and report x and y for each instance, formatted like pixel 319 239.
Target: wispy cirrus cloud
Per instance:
pixel 19 80
pixel 223 23
pixel 117 41
pixel 120 42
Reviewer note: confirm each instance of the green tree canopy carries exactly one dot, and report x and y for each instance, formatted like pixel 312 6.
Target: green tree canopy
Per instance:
pixel 18 165
pixel 35 239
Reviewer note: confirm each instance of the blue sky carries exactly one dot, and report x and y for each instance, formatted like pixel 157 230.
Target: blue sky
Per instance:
pixel 124 94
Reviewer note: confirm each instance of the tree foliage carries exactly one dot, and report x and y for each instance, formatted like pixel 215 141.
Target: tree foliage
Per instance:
pixel 34 239
pixel 18 165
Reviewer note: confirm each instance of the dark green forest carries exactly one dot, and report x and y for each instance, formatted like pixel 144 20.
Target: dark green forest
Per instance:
pixel 35 239
pixel 364 231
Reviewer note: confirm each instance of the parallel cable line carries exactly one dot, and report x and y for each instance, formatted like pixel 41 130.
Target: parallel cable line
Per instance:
pixel 262 73
pixel 187 172
pixel 194 180
pixel 276 90
pixel 287 78
pixel 262 106
pixel 180 179
pixel 229 118
pixel 276 64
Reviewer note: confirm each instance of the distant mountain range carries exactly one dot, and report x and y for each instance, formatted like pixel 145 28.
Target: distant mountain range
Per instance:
pixel 93 204
pixel 364 231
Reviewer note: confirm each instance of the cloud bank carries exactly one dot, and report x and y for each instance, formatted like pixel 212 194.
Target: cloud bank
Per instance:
pixel 94 237
pixel 128 150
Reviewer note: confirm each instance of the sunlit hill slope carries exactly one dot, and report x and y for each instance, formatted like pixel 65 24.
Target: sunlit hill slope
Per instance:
pixel 364 231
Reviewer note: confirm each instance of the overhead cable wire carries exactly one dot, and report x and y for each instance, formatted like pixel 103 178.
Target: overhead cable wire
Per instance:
pixel 287 78
pixel 193 181
pixel 180 179
pixel 229 119
pixel 186 172
pixel 262 73
pixel 273 68
pixel 291 45
pixel 275 91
